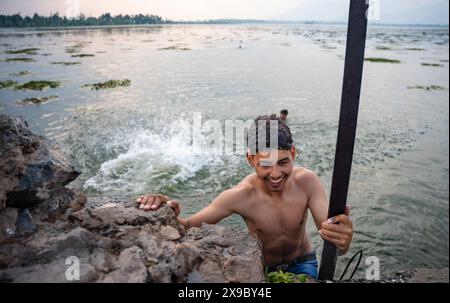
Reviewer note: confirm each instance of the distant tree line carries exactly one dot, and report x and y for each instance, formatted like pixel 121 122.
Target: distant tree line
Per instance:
pixel 17 20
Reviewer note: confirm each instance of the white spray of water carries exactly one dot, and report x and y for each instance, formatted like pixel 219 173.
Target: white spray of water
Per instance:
pixel 151 161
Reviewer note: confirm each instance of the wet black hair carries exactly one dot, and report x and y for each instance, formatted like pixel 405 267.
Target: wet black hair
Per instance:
pixel 284 112
pixel 285 141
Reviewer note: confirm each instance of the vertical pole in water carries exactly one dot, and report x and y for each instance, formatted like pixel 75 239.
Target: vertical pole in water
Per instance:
pixel 354 61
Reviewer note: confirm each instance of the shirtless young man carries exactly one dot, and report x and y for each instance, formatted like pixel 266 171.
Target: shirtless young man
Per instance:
pixel 274 203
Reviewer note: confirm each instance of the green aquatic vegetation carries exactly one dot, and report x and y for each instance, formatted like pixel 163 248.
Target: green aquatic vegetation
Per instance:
pixel 65 62
pixel 39 100
pixel 175 47
pixel 27 51
pixel 82 55
pixel 7 84
pixel 38 85
pixel 285 277
pixel 432 64
pixel 416 49
pixel 382 47
pixel 20 73
pixel 324 46
pixel 382 60
pixel 70 50
pixel 109 84
pixel 20 60
pixel 428 88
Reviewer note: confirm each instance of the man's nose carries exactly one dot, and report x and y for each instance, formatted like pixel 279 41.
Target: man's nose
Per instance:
pixel 275 172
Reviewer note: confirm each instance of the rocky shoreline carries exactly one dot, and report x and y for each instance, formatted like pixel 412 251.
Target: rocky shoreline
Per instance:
pixel 44 226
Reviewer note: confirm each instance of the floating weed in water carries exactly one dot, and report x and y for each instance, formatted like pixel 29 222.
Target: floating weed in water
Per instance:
pixel 428 88
pixel 65 62
pixel 7 84
pixel 175 47
pixel 432 64
pixel 20 60
pixel 285 277
pixel 382 47
pixel 382 60
pixel 27 51
pixel 76 48
pixel 416 49
pixel 20 73
pixel 444 60
pixel 38 85
pixel 109 84
pixel 324 46
pixel 39 100
pixel 82 55
pixel 70 50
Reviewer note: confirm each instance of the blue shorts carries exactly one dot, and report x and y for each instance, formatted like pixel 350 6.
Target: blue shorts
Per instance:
pixel 306 264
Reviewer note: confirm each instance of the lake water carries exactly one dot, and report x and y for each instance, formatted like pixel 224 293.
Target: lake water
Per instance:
pixel 120 138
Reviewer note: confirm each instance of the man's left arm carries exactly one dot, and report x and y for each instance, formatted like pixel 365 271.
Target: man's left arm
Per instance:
pixel 337 230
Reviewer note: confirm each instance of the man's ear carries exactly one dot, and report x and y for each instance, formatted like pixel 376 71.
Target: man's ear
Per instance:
pixel 293 151
pixel 250 158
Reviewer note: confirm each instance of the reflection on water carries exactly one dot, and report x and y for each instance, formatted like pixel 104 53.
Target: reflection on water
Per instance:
pixel 122 141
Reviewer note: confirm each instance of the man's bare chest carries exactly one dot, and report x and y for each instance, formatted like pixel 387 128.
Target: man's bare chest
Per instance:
pixel 276 218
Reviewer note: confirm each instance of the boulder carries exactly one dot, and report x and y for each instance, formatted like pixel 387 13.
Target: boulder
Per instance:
pixel 33 172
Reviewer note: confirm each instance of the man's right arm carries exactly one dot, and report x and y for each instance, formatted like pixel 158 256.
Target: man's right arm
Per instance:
pixel 221 207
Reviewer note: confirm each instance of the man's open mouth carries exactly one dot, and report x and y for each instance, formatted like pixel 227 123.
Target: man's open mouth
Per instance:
pixel 275 182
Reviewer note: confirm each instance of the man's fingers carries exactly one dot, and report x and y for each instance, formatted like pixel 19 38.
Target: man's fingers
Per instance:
pixel 331 234
pixel 172 203
pixel 175 206
pixel 347 210
pixel 156 202
pixel 339 228
pixel 341 239
pixel 337 242
pixel 147 202
pixel 163 198
pixel 151 201
pixel 340 219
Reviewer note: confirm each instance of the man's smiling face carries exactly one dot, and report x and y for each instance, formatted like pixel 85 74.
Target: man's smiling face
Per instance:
pixel 273 171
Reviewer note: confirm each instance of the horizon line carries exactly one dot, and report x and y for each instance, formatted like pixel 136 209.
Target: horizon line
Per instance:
pixel 237 20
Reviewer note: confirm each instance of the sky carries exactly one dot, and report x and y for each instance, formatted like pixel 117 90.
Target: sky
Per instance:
pixel 390 11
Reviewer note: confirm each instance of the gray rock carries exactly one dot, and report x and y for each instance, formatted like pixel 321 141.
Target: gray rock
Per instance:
pixel 243 270
pixel 427 275
pixel 25 224
pixel 130 268
pixel 33 171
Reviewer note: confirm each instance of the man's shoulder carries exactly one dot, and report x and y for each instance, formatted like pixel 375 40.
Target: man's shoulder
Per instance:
pixel 242 190
pixel 246 186
pixel 304 176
